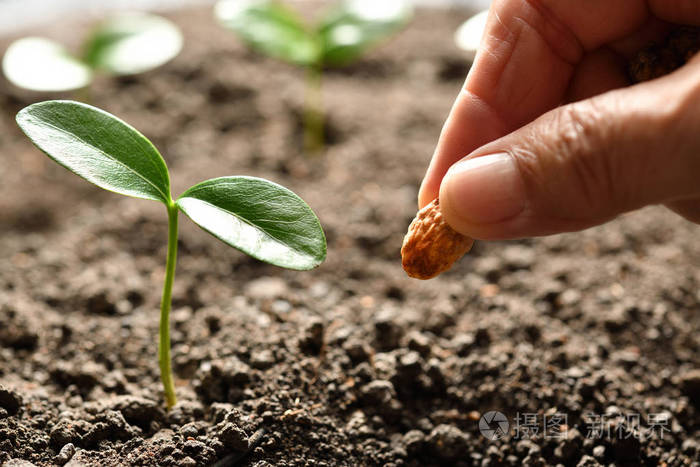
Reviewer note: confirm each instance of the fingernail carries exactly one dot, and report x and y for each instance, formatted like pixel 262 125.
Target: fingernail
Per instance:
pixel 485 190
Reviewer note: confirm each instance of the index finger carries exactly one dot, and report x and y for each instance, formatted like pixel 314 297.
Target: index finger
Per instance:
pixel 527 57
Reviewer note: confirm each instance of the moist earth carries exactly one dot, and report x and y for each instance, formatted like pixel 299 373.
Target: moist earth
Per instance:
pixel 586 343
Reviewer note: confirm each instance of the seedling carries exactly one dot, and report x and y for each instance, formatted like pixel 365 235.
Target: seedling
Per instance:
pixel 124 45
pixel 339 38
pixel 256 216
pixel 468 35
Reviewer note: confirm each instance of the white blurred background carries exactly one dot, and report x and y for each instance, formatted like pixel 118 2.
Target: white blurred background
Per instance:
pixel 21 14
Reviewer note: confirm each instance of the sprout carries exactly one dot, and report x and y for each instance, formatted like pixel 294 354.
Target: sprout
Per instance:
pixel 124 45
pixel 339 38
pixel 256 216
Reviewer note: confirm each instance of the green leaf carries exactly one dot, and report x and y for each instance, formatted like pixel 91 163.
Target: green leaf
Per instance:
pixel 39 64
pixel 260 218
pixel 357 25
pixel 98 147
pixel 271 28
pixel 132 43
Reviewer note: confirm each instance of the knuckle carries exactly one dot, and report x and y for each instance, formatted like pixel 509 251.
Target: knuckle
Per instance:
pixel 683 109
pixel 584 135
pixel 580 172
pixel 681 129
pixel 672 121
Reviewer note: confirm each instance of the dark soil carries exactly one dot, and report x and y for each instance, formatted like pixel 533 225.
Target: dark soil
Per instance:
pixel 352 363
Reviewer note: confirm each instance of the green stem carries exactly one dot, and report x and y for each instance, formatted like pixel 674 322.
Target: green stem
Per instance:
pixel 313 111
pixel 166 374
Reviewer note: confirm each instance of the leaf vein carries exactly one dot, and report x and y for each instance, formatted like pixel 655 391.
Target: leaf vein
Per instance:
pixel 61 130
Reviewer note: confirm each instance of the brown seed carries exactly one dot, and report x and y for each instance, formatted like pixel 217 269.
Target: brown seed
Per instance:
pixel 431 246
pixel 663 57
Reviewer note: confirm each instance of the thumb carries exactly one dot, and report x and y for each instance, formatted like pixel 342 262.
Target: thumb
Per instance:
pixel 583 164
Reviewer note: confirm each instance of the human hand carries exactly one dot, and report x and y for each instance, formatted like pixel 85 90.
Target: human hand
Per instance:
pixel 534 166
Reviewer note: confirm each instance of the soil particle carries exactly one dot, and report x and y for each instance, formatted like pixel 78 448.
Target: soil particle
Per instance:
pixel 388 332
pixel 65 432
pixel 108 425
pixel 419 342
pixel 100 303
pixel 312 337
pixel 409 366
pixel 220 380
pixel 84 376
pixel 263 359
pixel 690 384
pixel 518 257
pixel 570 448
pixel 587 461
pixel 378 393
pixel 183 412
pixel 448 443
pixel 357 350
pixel 15 332
pixel 10 401
pixel 232 437
pixel 266 288
pixel 138 411
pixel 198 450
pixel 616 320
pixel 65 454
pixel 187 462
pixel 626 447
pixel 18 463
pixel 414 442
pixel 599 452
pixel 690 447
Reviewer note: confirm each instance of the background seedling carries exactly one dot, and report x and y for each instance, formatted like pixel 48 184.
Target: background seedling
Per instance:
pixel 123 45
pixel 256 216
pixel 339 38
pixel 468 35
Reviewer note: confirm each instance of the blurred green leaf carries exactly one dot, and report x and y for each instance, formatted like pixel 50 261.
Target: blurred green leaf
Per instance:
pixel 357 25
pixel 258 217
pixel 270 27
pixel 132 43
pixel 98 147
pixel 39 64
pixel 468 35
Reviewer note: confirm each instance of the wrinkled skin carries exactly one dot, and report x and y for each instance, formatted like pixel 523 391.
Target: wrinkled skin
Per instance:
pixel 550 89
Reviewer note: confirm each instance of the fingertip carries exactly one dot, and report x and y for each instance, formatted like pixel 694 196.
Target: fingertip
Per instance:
pixel 483 190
